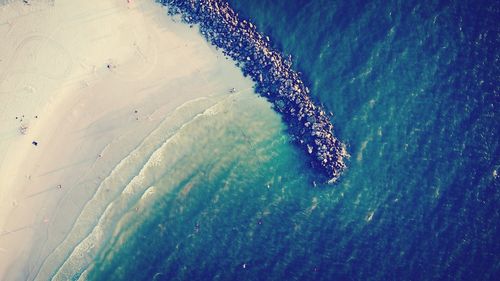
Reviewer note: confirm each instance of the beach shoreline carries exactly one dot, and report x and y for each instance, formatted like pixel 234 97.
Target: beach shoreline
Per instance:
pixel 88 81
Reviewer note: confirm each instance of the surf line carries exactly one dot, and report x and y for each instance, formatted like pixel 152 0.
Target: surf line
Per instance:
pixel 308 124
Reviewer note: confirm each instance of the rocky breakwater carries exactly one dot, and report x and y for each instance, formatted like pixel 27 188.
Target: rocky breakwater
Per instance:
pixel 275 79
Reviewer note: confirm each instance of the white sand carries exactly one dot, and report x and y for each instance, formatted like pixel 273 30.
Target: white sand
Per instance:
pixel 54 58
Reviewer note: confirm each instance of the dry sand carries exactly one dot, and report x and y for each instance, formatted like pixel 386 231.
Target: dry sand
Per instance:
pixel 87 80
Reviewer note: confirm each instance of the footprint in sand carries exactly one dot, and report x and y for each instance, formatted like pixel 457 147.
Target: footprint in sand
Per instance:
pixel 35 60
pixel 134 61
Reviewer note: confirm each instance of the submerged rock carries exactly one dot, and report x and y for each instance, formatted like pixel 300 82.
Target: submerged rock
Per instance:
pixel 274 77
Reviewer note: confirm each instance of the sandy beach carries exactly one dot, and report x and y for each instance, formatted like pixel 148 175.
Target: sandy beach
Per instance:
pixel 82 85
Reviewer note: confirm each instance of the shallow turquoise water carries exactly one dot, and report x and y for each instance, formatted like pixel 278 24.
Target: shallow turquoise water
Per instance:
pixel 414 91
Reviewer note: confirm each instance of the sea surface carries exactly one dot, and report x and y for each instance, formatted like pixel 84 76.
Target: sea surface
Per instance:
pixel 414 91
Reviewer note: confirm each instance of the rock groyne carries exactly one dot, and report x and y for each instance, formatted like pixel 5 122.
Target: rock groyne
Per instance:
pixel 275 79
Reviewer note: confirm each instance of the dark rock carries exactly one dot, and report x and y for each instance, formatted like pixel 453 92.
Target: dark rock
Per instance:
pixel 274 77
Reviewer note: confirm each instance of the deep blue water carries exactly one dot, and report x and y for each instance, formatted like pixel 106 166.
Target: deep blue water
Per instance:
pixel 414 89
